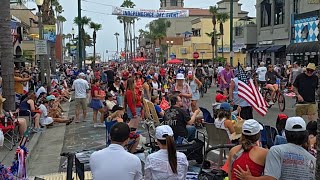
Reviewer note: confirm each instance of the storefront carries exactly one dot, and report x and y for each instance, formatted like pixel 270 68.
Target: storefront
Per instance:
pixel 305 44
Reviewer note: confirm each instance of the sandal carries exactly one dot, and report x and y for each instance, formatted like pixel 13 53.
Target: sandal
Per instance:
pixel 70 121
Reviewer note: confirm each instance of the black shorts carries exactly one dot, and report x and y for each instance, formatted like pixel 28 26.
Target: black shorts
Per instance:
pixel 246 113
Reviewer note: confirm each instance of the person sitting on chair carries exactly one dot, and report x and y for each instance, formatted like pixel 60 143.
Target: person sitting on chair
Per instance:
pixel 29 104
pixel 156 166
pixel 155 101
pixel 180 121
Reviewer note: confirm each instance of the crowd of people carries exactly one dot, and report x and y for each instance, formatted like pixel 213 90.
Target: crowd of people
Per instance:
pixel 116 93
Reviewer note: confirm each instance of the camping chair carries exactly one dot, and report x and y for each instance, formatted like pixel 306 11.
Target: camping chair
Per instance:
pixel 26 113
pixel 217 137
pixel 7 125
pixel 154 114
pixel 148 123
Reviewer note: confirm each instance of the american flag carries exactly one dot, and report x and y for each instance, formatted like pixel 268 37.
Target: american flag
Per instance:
pixel 248 91
pixel 13 28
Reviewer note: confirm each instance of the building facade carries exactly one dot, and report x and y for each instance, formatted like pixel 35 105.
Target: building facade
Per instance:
pixel 282 27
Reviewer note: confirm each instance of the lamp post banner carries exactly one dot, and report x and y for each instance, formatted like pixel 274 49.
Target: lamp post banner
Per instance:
pixel 129 12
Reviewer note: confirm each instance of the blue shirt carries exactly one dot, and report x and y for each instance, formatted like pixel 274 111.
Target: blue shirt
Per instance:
pixel 158 110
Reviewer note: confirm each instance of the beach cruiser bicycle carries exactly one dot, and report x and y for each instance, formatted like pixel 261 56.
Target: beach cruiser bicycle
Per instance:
pixel 279 97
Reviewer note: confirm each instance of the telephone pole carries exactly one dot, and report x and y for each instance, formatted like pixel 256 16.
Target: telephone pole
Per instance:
pixel 231 32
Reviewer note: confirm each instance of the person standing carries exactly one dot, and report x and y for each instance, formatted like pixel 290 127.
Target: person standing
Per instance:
pixel 226 76
pixel 96 103
pixel 194 84
pixel 81 88
pixel 184 91
pixel 114 162
pixel 295 71
pixel 261 72
pixel 305 86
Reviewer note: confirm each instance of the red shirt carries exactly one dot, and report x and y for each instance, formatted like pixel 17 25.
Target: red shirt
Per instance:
pixel 129 100
pixel 162 72
pixel 97 74
pixel 94 88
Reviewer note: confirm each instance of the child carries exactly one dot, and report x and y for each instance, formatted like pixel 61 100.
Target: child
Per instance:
pixel 220 98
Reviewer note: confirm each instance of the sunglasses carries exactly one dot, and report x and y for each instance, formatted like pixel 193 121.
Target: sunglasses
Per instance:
pixel 310 70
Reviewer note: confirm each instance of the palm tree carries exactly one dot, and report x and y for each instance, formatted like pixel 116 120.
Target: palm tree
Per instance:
pixel 82 22
pixel 158 31
pixel 318 137
pixel 117 39
pixel 214 11
pixel 222 18
pixel 127 22
pixel 6 56
pixel 96 27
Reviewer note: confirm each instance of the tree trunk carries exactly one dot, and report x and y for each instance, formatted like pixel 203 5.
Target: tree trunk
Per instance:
pixel 222 46
pixel 134 39
pixel 215 44
pixel 94 50
pixel 212 47
pixel 130 35
pixel 125 40
pixel 6 56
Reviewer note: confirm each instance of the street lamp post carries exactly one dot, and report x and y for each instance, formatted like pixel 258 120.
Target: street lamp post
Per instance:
pixel 169 43
pixel 39 4
pixel 117 39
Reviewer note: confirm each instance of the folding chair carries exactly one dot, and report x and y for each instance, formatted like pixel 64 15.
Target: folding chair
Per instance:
pixel 26 113
pixel 154 114
pixel 216 136
pixel 7 126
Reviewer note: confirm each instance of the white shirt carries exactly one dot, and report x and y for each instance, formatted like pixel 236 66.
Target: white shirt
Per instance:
pixel 114 162
pixel 80 87
pixel 220 68
pixel 41 90
pixel 110 104
pixel 157 166
pixel 261 71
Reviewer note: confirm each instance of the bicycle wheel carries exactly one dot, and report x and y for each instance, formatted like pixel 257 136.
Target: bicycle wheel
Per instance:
pixel 267 97
pixel 281 102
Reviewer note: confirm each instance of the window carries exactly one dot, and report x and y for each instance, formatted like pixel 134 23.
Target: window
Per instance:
pixel 296 6
pixel 174 3
pixel 278 12
pixel 238 31
pixel 265 13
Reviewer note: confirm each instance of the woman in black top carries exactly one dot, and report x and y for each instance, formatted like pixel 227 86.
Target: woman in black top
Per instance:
pixel 118 90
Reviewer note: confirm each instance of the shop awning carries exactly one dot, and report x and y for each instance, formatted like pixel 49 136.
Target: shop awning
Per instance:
pixel 280 48
pixel 261 49
pixel 302 48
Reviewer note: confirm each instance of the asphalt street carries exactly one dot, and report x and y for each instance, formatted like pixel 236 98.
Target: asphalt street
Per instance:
pixel 83 136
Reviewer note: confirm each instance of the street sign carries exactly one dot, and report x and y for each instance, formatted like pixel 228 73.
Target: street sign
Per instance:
pixel 195 55
pixel 41 47
pixel 156 50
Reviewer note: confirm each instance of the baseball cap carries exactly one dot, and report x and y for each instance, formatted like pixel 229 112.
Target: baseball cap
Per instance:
pixel 282 117
pixel 149 77
pixel 163 130
pixel 82 75
pixel 180 76
pixel 117 108
pixel 51 97
pixel 225 106
pixel 220 97
pixel 251 127
pixel 295 124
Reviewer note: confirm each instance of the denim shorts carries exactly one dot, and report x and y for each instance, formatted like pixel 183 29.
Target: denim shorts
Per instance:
pixel 138 112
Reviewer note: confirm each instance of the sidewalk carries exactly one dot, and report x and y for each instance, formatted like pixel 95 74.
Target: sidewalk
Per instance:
pixel 44 158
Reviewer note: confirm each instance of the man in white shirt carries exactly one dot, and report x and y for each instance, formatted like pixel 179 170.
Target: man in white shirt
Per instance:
pixel 114 162
pixel 81 88
pixel 261 72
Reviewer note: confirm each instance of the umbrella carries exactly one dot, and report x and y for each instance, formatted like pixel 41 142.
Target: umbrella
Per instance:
pixel 139 59
pixel 174 61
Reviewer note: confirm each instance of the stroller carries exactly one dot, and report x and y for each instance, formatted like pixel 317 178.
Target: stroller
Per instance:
pixel 209 172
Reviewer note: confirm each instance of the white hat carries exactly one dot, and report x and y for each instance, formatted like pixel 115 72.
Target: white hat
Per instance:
pixel 251 127
pixel 295 124
pixel 163 130
pixel 82 75
pixel 180 76
pixel 88 71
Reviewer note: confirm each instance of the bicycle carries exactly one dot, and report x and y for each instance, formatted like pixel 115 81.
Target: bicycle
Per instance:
pixel 279 96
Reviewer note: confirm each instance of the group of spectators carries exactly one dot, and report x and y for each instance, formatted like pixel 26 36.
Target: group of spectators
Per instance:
pixel 122 89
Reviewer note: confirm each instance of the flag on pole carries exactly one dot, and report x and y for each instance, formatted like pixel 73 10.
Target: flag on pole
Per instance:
pixel 248 92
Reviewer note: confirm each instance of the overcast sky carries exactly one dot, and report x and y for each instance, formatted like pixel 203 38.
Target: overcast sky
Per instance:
pixel 102 14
